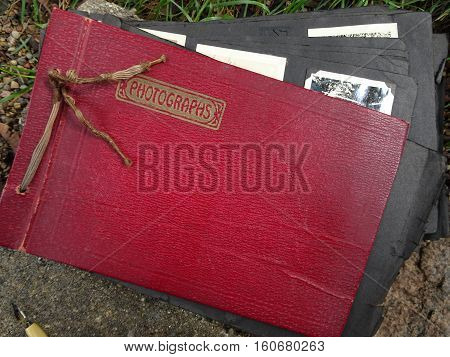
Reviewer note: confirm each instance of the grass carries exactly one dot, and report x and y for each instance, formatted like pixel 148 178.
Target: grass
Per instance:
pixel 195 10
pixel 18 73
pixel 207 10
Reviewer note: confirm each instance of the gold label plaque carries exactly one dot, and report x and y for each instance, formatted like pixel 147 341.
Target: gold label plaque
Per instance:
pixel 173 100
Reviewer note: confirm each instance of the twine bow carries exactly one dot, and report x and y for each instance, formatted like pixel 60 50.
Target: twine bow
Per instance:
pixel 59 83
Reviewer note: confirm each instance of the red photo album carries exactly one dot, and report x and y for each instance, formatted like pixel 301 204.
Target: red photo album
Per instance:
pixel 245 194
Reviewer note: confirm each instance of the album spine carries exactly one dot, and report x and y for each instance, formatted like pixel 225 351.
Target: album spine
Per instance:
pixel 19 210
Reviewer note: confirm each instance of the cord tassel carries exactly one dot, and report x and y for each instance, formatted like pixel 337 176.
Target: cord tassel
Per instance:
pixel 59 84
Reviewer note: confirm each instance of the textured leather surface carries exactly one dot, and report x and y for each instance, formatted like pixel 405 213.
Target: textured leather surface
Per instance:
pixel 293 260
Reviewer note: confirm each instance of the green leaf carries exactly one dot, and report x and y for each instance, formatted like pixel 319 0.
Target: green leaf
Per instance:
pixel 241 2
pixel 183 11
pixel 16 94
pixel 215 18
pixel 23 10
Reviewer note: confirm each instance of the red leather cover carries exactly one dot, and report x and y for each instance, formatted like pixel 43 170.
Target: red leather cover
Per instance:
pixel 291 259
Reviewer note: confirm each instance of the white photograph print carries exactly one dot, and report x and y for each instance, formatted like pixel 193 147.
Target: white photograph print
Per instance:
pixel 368 93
